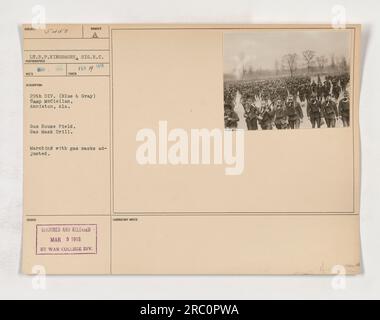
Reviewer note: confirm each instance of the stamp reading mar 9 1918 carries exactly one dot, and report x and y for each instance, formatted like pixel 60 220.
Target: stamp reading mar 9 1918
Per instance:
pixel 66 239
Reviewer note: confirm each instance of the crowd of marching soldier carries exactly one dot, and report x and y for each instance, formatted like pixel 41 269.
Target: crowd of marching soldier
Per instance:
pixel 276 103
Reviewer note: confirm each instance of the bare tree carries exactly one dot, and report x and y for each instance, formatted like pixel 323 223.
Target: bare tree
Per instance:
pixel 322 61
pixel 290 62
pixel 309 55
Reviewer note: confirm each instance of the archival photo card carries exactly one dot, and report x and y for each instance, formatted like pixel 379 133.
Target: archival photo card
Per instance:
pixel 129 169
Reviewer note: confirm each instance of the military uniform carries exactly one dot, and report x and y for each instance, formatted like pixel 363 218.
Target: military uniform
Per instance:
pixel 231 119
pixel 294 113
pixel 326 89
pixel 313 88
pixel 344 111
pixel 302 93
pixel 330 113
pixel 266 119
pixel 251 119
pixel 336 90
pixel 314 112
pixel 320 91
pixel 280 119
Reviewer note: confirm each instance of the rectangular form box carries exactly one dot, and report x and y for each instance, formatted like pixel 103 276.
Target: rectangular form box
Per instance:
pixel 52 31
pixel 45 70
pixel 66 56
pixel 66 239
pixel 88 69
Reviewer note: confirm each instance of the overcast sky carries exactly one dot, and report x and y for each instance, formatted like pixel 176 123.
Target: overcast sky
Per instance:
pixel 263 48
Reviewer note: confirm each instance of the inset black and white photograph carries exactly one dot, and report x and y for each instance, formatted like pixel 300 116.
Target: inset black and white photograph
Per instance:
pixel 287 79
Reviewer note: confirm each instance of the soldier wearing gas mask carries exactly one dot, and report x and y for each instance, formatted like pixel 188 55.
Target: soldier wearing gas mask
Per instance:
pixel 330 111
pixel 294 113
pixel 314 111
pixel 344 109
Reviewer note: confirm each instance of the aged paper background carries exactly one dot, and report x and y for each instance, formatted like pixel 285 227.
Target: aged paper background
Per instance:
pixel 172 220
